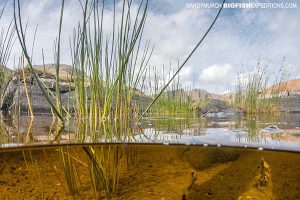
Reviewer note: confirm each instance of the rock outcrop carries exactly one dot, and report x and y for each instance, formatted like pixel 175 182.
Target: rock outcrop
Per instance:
pixel 290 103
pixel 14 96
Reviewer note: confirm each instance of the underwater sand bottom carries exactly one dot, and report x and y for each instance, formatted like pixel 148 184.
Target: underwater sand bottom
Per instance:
pixel 155 172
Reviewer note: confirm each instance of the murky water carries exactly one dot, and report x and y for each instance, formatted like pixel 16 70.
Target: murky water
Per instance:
pixel 150 172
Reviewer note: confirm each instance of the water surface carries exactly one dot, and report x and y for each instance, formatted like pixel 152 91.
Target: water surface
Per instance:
pixel 280 132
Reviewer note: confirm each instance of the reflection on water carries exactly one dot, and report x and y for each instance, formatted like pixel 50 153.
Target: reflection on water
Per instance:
pixel 271 132
pixel 149 172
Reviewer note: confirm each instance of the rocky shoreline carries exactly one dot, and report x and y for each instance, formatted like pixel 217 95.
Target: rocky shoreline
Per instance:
pixel 14 95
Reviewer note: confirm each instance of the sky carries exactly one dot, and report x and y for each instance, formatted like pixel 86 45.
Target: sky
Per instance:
pixel 238 40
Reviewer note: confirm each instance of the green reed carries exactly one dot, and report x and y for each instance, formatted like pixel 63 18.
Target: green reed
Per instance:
pixel 7 40
pixel 22 38
pixel 175 101
pixel 252 93
pixel 108 70
pixel 57 109
pixel 107 73
pixel 69 170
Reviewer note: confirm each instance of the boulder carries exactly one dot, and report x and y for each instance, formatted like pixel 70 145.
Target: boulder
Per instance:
pixel 15 95
pixel 213 106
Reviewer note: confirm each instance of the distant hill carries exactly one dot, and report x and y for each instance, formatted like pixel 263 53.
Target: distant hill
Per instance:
pixel 287 87
pixel 201 93
pixel 194 94
pixel 292 86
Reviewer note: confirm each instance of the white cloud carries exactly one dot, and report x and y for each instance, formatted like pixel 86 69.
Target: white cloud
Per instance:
pixel 216 73
pixel 238 36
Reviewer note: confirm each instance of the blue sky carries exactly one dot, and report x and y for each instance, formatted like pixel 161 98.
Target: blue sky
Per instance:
pixel 239 36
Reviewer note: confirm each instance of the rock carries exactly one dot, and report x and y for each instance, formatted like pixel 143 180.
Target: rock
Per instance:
pixel 7 99
pixel 39 102
pixel 15 94
pixel 194 94
pixel 65 71
pixel 231 113
pixel 213 106
pixel 272 129
pixel 63 86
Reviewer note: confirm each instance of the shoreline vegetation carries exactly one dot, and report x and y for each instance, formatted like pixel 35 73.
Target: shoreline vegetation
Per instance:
pixel 253 94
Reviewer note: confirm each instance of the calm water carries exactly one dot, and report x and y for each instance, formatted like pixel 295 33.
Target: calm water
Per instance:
pixel 278 132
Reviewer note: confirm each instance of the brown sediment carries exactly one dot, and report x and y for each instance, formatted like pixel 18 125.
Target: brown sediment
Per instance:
pixel 159 172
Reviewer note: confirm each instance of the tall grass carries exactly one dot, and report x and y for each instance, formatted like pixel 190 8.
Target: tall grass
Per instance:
pixel 107 71
pixel 7 40
pixel 56 108
pixel 259 92
pixel 114 70
pixel 175 101
pixel 22 40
